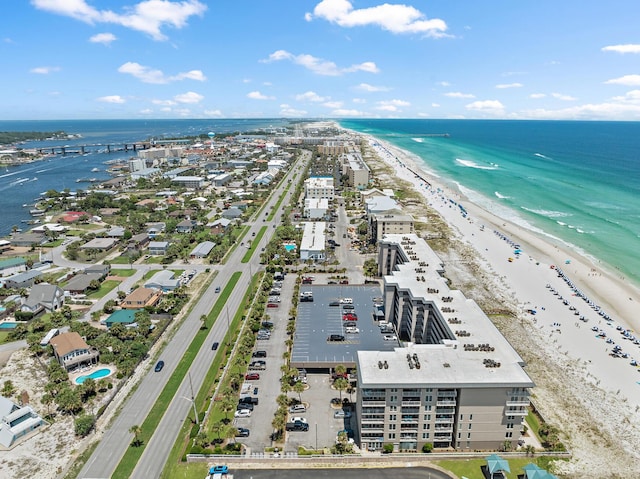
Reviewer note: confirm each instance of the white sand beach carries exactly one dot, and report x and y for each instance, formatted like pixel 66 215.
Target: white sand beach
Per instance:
pixel 592 397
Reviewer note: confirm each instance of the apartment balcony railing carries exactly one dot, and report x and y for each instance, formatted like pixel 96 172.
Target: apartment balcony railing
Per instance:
pixel 446 403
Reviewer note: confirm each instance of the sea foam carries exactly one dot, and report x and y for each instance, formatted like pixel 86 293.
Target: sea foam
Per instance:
pixel 473 164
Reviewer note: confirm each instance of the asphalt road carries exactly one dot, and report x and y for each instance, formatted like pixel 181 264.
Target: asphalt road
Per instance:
pixel 332 473
pixel 117 438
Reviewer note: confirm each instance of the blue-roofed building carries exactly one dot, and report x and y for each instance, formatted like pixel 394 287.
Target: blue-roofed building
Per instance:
pixel 122 316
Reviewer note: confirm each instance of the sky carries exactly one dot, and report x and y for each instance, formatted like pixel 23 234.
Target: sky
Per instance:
pixel 498 59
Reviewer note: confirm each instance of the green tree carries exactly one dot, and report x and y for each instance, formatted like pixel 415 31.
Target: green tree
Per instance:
pixel 137 432
pixel 299 388
pixel 341 384
pixel 69 401
pixel 84 424
pixel 8 389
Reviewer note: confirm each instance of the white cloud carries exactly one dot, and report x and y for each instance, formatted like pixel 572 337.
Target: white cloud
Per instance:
pixel 112 99
pixel 359 101
pixel 189 97
pixel 537 95
pixel 104 38
pixel 444 83
pixel 318 65
pixel 333 104
pixel 345 112
pixel 310 96
pixel 491 107
pixel 146 111
pixel 213 113
pixel 627 48
pixel 256 95
pixel 371 88
pixel 599 111
pixel 394 18
pixel 286 110
pixel 435 105
pixel 150 75
pixel 147 16
pixel 44 70
pixel 509 85
pixel 392 103
pixel 457 94
pixel 560 96
pixel 163 102
pixel 627 80
pixel 387 108
pixel 632 96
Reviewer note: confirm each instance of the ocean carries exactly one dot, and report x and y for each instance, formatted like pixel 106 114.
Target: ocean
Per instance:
pixel 577 183
pixel 573 182
pixel 21 185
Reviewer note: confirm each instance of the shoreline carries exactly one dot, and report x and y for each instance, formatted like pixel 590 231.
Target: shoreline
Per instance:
pixel 582 386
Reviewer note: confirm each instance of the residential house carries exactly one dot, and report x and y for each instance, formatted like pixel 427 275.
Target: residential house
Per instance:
pixel 186 226
pixel 155 229
pixel 11 266
pixel 22 280
pixel 16 422
pixel 28 239
pixel 100 244
pixel 75 216
pixel 122 316
pixel 115 232
pixel 72 352
pixel 219 226
pixel 141 297
pixel 138 242
pixel 5 245
pixel 81 282
pixel 232 213
pixel 164 280
pixel 43 297
pixel 158 248
pixel 202 250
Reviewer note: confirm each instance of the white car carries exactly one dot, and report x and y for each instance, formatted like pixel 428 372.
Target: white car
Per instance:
pixel 298 408
pixel 299 419
pixel 346 301
pixel 390 337
pixel 342 414
pixel 351 330
pixel 242 413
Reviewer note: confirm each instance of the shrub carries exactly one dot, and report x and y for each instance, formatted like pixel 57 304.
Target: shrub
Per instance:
pixel 427 448
pixel 84 424
pixel 387 448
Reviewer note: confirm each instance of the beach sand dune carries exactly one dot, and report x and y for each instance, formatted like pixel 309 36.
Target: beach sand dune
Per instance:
pixel 592 397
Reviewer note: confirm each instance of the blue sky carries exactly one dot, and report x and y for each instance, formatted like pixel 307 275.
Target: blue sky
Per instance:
pixel 559 59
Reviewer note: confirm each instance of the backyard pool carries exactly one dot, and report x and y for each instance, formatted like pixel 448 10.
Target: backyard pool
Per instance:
pixel 289 247
pixel 100 373
pixel 8 325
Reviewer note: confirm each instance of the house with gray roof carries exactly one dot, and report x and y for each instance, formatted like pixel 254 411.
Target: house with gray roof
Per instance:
pixel 202 250
pixel 17 422
pixel 43 297
pixel 22 280
pixel 81 282
pixel 232 213
pixel 163 280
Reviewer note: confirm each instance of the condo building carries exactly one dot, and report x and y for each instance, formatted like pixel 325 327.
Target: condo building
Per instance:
pixel 456 384
pixel 319 187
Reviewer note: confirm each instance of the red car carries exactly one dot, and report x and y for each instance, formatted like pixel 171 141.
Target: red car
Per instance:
pixel 252 376
pixel 272 305
pixel 349 317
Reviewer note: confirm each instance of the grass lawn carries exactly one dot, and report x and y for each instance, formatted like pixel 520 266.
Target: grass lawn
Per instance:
pixel 133 454
pixel 105 287
pixel 254 245
pixel 470 468
pixel 125 273
pixel 122 259
pixel 3 336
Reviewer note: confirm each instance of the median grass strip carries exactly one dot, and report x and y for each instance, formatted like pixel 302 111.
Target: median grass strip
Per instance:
pixel 174 467
pixel 132 455
pixel 254 245
pixel 276 208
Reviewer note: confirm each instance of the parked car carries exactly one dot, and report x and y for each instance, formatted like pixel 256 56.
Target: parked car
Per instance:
pixel 390 337
pixel 219 469
pixel 347 306
pixel 267 324
pixel 299 419
pixel 298 408
pixel 159 366
pixel 334 303
pixel 344 281
pixel 244 405
pixel 242 432
pixel 272 305
pixel 242 413
pixel 342 414
pixel 249 400
pixel 293 426
pixel 252 376
pixel 259 354
pixel 351 330
pixel 215 345
pixel 217 289
pixel 346 301
pixel 335 337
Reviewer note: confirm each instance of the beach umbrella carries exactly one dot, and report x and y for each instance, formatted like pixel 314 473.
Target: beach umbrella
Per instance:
pixel 496 464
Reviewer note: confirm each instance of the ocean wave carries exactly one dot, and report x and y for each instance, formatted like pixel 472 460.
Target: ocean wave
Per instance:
pixel 418 140
pixel 473 164
pixel 502 197
pixel 540 155
pixel 561 223
pixel 547 213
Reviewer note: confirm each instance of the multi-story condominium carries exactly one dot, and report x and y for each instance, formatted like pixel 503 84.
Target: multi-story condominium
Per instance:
pixel 457 383
pixel 319 187
pixel 312 245
pixel 356 169
pixel 390 223
pixel 332 147
pixel 315 208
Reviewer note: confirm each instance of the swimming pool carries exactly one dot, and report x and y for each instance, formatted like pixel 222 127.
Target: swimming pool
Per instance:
pixel 100 373
pixel 8 325
pixel 289 247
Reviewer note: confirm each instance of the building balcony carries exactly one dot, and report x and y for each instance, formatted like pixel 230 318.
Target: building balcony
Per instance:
pixel 446 403
pixel 516 411
pixel 444 420
pixel 366 402
pixel 522 403
pixel 442 437
pixel 447 394
pixel 444 428
pixel 411 402
pixel 445 410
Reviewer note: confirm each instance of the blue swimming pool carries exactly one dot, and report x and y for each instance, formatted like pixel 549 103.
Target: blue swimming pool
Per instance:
pixel 290 247
pixel 8 325
pixel 100 373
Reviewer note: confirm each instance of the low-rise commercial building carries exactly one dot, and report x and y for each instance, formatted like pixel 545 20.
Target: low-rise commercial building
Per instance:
pixel 312 245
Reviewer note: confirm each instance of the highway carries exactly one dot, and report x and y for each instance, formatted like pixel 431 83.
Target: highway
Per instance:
pixel 117 438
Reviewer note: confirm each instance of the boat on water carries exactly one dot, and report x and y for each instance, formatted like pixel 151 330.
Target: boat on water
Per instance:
pixel 95 169
pixel 37 212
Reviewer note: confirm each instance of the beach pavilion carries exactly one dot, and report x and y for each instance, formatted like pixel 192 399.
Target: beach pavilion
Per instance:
pixel 531 471
pixel 496 466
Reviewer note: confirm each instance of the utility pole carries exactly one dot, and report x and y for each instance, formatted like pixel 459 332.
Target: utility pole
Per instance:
pixel 193 400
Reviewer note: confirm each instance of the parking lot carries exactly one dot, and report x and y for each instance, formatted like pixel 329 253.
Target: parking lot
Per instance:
pixel 318 320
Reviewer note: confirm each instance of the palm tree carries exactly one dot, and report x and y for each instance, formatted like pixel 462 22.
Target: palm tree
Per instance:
pixel 341 384
pixel 299 387
pixel 136 431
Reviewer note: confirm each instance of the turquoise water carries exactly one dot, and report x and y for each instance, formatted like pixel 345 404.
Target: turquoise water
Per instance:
pixel 100 373
pixel 7 325
pixel 576 182
pixel 290 247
